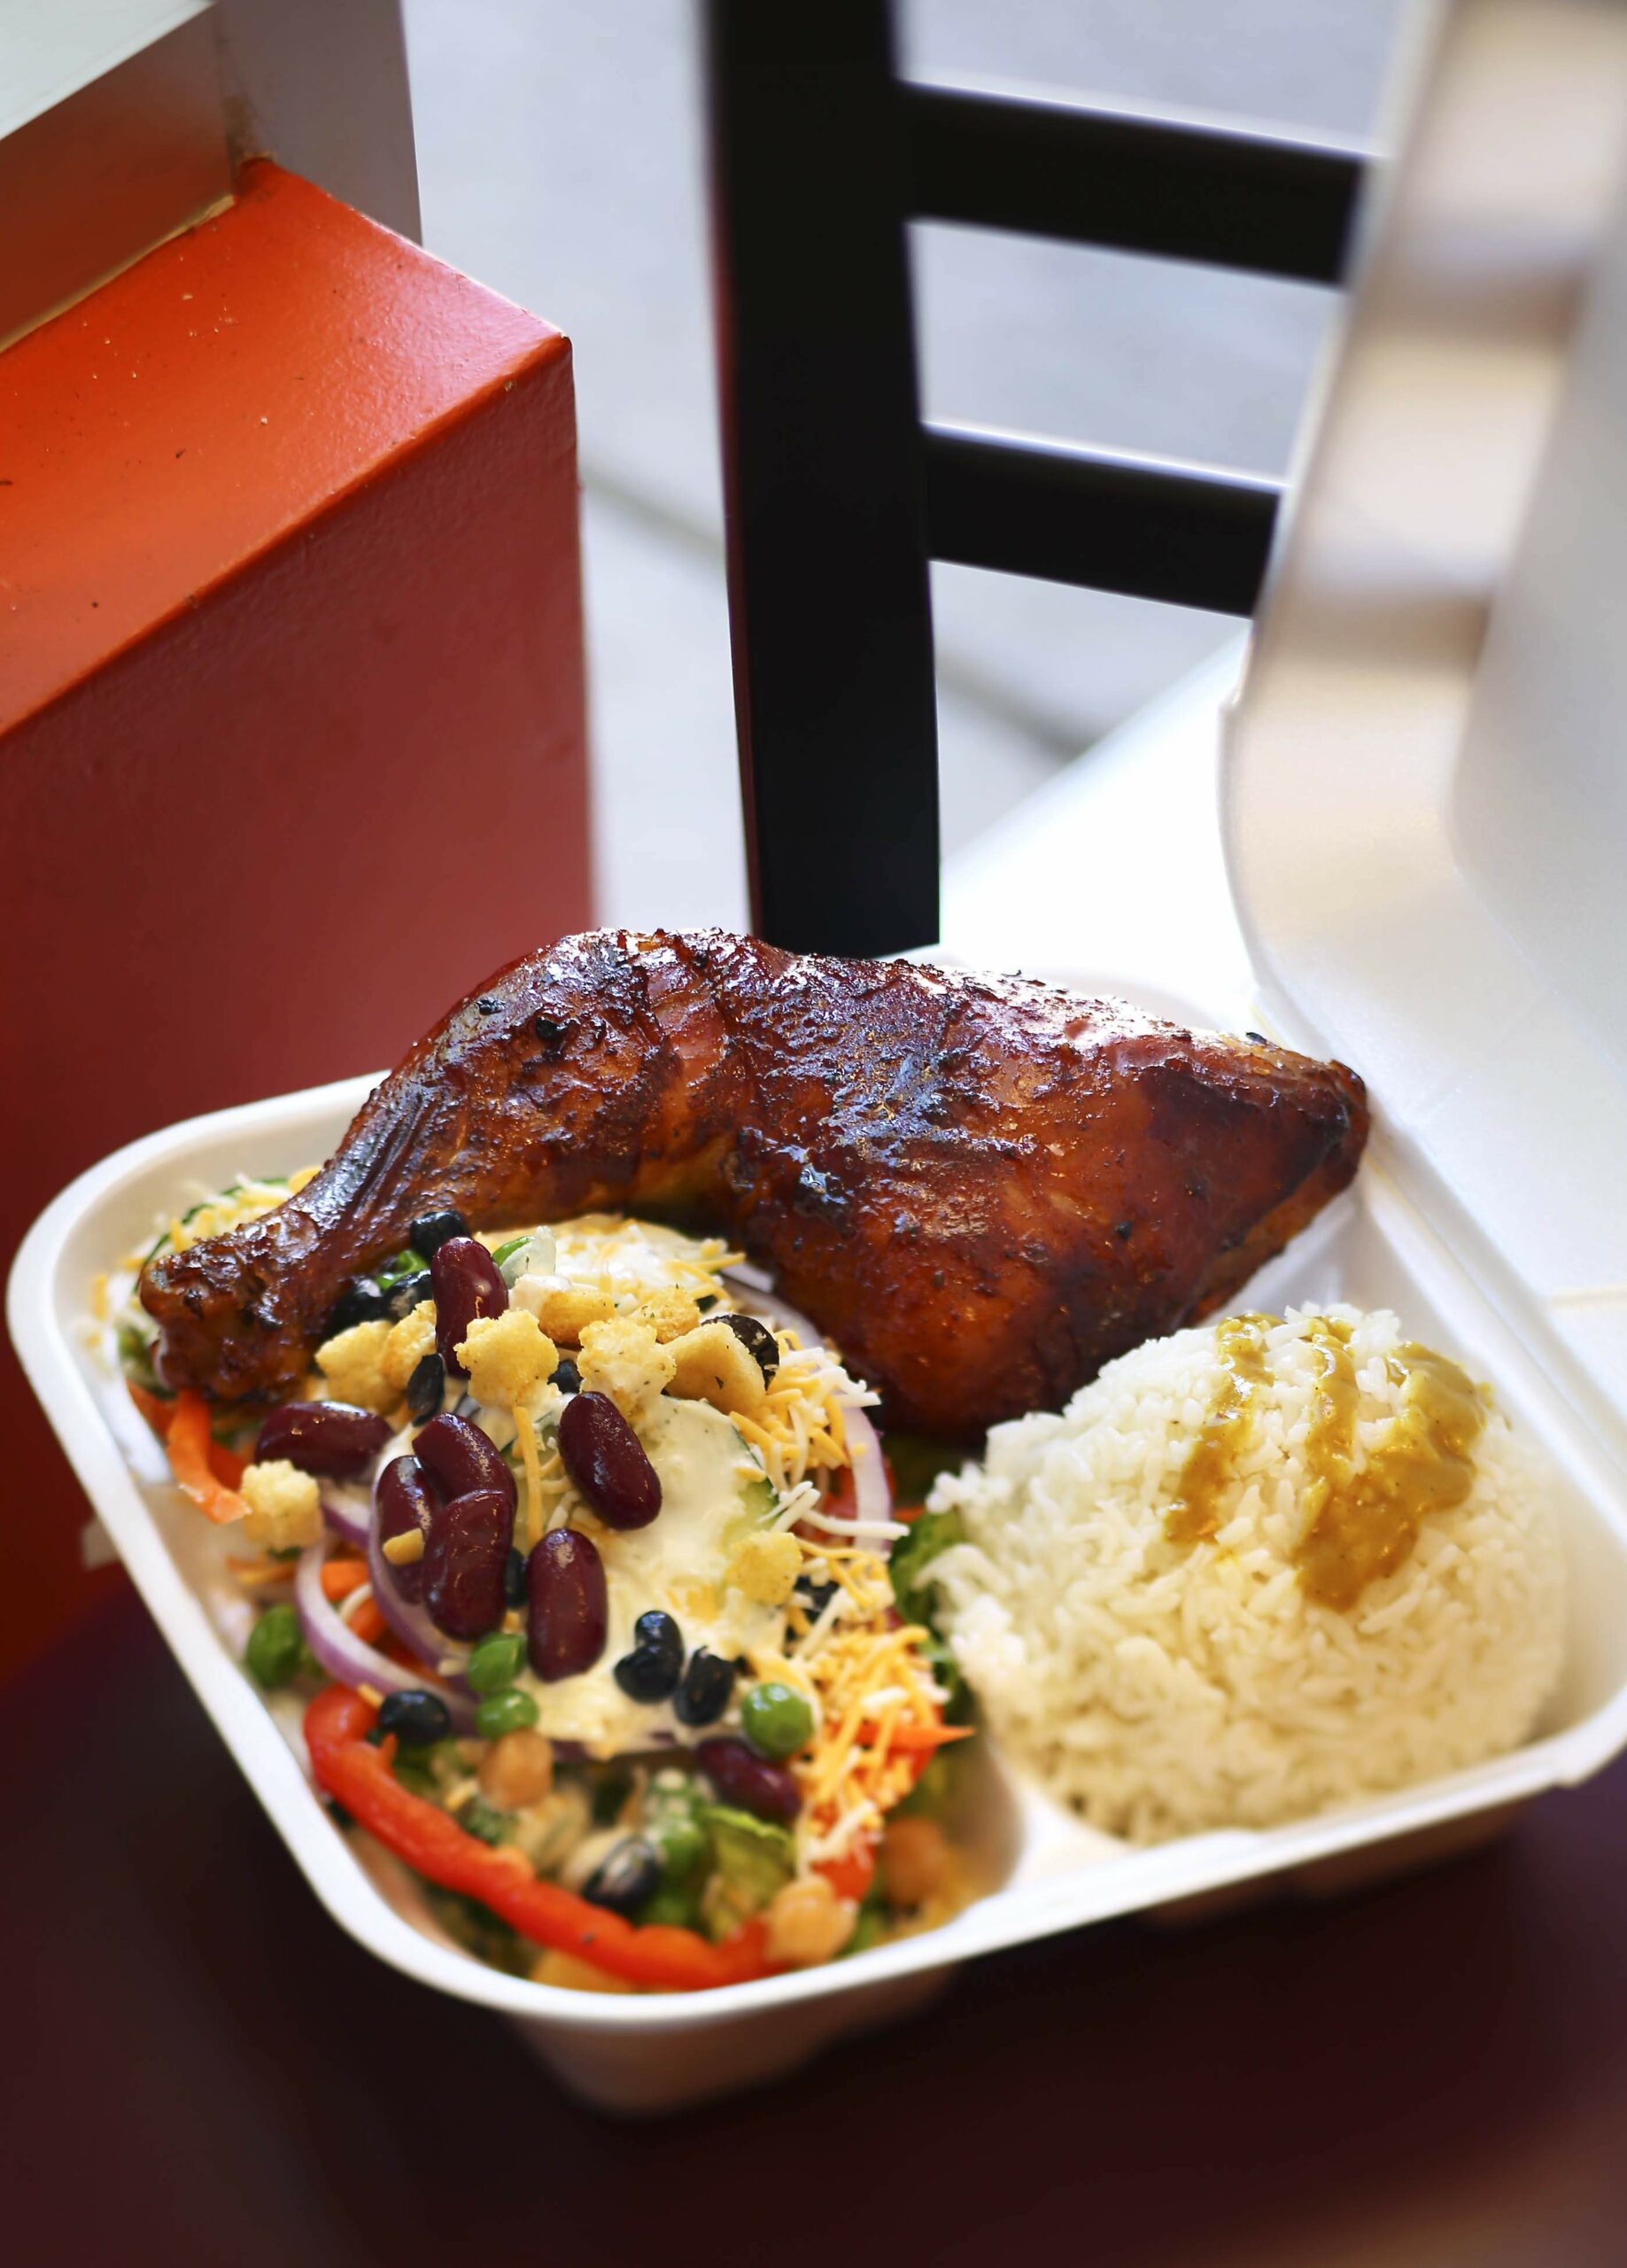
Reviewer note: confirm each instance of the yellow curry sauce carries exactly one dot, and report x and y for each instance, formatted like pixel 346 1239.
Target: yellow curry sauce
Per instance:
pixel 1359 1524
pixel 1195 1514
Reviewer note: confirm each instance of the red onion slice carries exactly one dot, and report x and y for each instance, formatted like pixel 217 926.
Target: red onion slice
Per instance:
pixel 345 1512
pixel 872 1494
pixel 778 1313
pixel 348 1658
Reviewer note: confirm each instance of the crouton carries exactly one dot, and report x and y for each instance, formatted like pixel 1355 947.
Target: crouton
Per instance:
pixel 410 1340
pixel 669 1314
pixel 507 1356
pixel 563 1309
pixel 711 1364
pixel 353 1364
pixel 766 1565
pixel 285 1506
pixel 625 1360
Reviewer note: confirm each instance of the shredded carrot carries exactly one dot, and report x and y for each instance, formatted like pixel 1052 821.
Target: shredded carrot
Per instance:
pixel 190 1443
pixel 228 1465
pixel 254 1572
pixel 159 1414
pixel 850 1875
pixel 910 1737
pixel 369 1622
pixel 342 1576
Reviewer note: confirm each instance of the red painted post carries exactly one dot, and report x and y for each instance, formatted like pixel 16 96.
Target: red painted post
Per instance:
pixel 291 712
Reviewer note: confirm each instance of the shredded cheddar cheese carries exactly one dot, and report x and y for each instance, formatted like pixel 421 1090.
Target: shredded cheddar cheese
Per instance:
pixel 249 1200
pixel 525 1433
pixel 869 1679
pixel 801 1427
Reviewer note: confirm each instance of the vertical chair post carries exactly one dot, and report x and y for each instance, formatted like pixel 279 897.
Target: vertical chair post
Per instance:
pixel 828 580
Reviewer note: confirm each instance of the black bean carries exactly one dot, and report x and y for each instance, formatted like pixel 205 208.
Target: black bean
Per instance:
pixel 815 1596
pixel 703 1694
pixel 758 1340
pixel 628 1874
pixel 404 1294
pixel 431 1230
pixel 362 1300
pixel 426 1389
pixel 606 1459
pixel 416 1718
pixel 567 1376
pixel 651 1671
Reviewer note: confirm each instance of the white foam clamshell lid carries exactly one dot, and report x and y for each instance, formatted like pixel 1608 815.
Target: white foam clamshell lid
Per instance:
pixel 1427 867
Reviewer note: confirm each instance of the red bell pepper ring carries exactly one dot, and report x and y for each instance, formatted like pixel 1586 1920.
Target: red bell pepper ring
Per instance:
pixel 358 1775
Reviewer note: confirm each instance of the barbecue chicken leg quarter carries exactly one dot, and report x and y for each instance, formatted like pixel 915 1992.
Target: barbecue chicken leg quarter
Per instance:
pixel 982 1188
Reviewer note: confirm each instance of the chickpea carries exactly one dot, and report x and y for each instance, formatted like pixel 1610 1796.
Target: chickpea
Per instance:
pixel 516 1769
pixel 914 1855
pixel 808 1922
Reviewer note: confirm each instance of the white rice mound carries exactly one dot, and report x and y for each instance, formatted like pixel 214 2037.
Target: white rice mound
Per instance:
pixel 1162 1689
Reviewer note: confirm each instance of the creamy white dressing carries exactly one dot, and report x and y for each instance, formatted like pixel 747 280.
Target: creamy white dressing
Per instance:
pixel 678 1564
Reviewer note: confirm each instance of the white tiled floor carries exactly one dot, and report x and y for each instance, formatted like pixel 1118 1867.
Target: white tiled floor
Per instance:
pixel 559 159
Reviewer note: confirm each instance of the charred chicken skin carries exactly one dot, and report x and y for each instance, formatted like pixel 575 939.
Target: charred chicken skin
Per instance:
pixel 983 1188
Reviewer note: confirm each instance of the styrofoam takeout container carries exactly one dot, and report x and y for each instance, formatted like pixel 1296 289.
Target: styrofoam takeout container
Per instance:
pixel 1407 909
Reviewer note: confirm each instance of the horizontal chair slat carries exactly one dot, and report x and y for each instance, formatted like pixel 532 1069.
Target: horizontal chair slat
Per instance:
pixel 1182 188
pixel 1182 533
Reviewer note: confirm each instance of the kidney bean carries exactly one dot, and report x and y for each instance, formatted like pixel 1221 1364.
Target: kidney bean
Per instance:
pixel 606 1459
pixel 567 1610
pixel 463 1559
pixel 404 1499
pixel 467 1283
pixel 459 1458
pixel 334 1438
pixel 746 1780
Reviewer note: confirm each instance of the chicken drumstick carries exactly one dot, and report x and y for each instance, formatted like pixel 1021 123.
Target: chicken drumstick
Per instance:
pixel 982 1188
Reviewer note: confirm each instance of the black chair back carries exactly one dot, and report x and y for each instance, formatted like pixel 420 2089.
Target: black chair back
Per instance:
pixel 837 494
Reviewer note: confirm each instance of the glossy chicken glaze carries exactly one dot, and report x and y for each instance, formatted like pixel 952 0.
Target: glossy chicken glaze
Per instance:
pixel 982 1188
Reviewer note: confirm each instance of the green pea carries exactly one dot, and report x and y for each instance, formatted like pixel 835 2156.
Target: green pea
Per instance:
pixel 494 1661
pixel 671 1905
pixel 508 1712
pixel 777 1720
pixel 276 1646
pixel 681 1842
